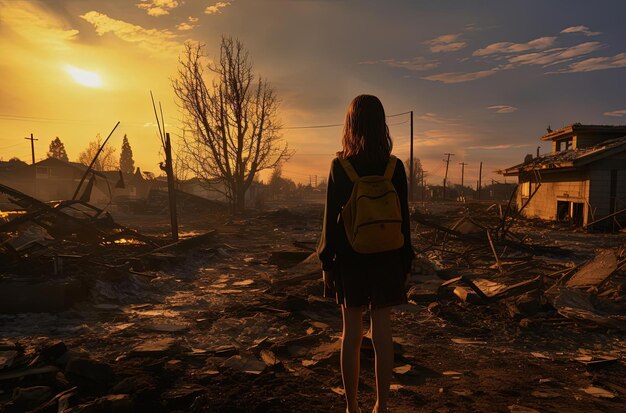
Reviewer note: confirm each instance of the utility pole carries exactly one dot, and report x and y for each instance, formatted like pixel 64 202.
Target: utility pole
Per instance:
pixel 462 179
pixel 411 165
pixel 32 149
pixel 480 179
pixel 445 179
pixel 32 146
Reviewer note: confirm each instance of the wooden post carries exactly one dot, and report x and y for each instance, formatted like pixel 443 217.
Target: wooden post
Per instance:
pixel 32 149
pixel 463 180
pixel 32 146
pixel 171 187
pixel 445 179
pixel 411 165
pixel 480 178
pixel 423 188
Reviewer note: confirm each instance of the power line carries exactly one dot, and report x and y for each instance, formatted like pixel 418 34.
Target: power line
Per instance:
pixel 10 146
pixel 9 117
pixel 399 123
pixel 314 126
pixel 20 118
pixel 399 114
pixel 340 124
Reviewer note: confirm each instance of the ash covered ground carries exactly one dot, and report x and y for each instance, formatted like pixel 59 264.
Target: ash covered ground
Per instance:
pixel 529 321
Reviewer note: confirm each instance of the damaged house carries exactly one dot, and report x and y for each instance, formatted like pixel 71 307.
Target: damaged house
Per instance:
pixel 54 179
pixel 581 181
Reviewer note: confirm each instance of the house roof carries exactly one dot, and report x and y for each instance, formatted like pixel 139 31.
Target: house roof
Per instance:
pixel 570 158
pixel 564 132
pixel 11 164
pixel 59 162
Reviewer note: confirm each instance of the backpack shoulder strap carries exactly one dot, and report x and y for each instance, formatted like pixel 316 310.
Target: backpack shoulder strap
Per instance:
pixel 391 167
pixel 347 166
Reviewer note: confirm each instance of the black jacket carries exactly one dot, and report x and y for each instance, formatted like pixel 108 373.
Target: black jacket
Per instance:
pixel 333 240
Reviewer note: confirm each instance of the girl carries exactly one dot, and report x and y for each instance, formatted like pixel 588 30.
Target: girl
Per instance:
pixel 375 280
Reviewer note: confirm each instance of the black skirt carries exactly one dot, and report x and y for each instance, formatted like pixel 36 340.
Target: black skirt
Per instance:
pixel 373 280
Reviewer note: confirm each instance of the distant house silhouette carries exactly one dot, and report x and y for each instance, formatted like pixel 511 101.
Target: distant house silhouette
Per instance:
pixel 53 179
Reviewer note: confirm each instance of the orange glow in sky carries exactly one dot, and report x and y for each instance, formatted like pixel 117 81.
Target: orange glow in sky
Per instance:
pixel 484 82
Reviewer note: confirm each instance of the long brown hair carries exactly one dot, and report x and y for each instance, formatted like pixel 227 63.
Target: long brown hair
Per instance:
pixel 365 132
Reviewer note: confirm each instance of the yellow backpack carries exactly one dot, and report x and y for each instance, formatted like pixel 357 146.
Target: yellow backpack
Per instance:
pixel 372 217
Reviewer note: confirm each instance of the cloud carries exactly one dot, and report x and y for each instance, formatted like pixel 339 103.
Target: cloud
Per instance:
pixel 157 7
pixel 435 118
pixel 580 29
pixel 184 26
pixel 596 63
pixel 35 25
pixel 503 108
pixel 151 40
pixel 507 47
pixel 449 138
pixel 433 138
pixel 556 56
pixel 459 77
pixel 217 7
pixel 416 64
pixel 445 43
pixel 187 25
pixel 496 147
pixel 616 113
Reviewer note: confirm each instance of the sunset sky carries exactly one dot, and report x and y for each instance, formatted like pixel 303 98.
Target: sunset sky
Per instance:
pixel 484 78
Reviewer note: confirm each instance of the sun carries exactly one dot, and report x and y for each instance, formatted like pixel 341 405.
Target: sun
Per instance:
pixel 84 77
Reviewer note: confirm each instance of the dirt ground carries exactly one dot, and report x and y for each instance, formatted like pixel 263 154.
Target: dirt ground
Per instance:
pixel 236 326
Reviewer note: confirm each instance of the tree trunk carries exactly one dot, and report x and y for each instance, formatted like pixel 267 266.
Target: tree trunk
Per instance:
pixel 240 200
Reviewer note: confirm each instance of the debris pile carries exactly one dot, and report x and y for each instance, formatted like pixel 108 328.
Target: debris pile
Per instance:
pixel 242 326
pixel 53 255
pixel 479 259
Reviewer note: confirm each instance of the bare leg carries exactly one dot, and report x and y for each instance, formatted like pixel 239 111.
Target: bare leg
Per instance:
pixel 383 348
pixel 350 354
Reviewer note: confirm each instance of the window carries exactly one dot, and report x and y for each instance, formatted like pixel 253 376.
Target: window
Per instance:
pixel 564 145
pixel 42 170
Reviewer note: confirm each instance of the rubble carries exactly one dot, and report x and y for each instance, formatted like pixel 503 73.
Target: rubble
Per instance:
pixel 568 290
pixel 235 321
pixel 52 255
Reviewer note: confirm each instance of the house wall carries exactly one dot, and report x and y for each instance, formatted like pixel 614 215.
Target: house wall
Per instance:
pixel 600 187
pixel 584 140
pixel 570 186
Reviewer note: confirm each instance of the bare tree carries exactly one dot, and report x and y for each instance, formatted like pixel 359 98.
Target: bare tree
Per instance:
pixel 106 160
pixel 182 161
pixel 232 121
pixel 419 176
pixel 417 170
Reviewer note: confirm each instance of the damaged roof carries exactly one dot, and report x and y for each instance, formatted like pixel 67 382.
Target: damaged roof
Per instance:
pixel 577 128
pixel 570 158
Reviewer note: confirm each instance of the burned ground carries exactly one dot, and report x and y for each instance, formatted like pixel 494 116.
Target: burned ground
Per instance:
pixel 236 322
